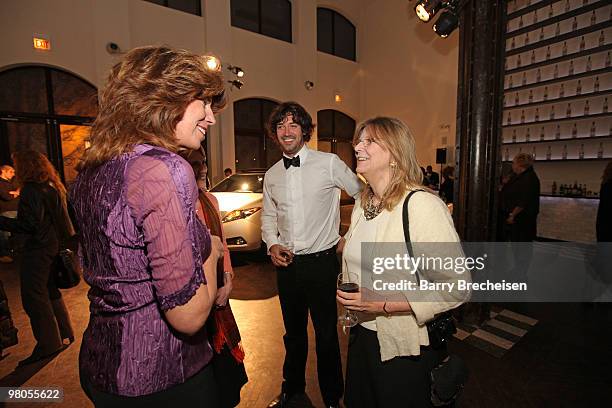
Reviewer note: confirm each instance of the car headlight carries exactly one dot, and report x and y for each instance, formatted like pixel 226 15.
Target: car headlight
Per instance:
pixel 240 214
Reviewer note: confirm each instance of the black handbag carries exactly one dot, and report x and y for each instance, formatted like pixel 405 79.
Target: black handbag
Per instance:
pixel 449 377
pixel 66 268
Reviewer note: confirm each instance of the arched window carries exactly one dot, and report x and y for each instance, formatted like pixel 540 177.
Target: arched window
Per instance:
pixel 335 134
pixel 267 17
pixel 47 110
pixel 335 34
pixel 252 146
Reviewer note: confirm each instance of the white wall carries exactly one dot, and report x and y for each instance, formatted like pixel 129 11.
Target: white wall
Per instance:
pixel 402 68
pixel 409 72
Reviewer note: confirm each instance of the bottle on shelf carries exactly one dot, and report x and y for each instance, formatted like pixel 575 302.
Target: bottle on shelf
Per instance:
pixel 567 6
pixel 600 151
pixel 506 155
pixel 608 60
pixel 553 188
pixel 538 75
pixel 535 17
pixel 542 133
pixel 596 84
pixel 523 116
pixel 520 23
pixel 582 43
pixel 568 111
pixel 592 130
pixel 536 116
pixel 564 49
pixel 562 190
pixel 505 101
pixel 593 18
pixel 512 43
pixel 564 152
pixel 545 93
pixel 574 24
pixel 558 132
pixel 581 151
pixel 550 11
pixel 510 82
pixel 509 119
pixel 526 39
pixel 530 96
pixel 574 131
pixel 516 98
pixel 524 79
pixel 557 29
pixel 533 153
pixel 548 153
pixel 587 108
pixel 575 188
pixel 541 33
pixel 604 108
pixel 518 61
pixel 552 112
pixel 513 135
pixel 548 52
pixel 532 57
pixel 528 134
pixel 589 64
pixel 556 72
pixel 571 68
pixel 579 87
pixel 602 38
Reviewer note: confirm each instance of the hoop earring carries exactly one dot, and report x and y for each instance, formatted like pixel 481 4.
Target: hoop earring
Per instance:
pixel 393 164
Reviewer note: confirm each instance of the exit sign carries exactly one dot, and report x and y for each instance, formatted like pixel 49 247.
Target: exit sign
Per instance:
pixel 41 44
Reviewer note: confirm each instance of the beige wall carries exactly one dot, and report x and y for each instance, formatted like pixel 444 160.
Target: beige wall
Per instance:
pixel 403 69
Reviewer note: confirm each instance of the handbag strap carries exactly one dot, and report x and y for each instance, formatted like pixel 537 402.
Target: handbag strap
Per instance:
pixel 406 223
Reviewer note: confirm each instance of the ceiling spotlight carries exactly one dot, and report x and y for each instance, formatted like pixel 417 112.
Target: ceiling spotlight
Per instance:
pixel 212 62
pixel 236 83
pixel 446 23
pixel 308 85
pixel 236 70
pixel 426 9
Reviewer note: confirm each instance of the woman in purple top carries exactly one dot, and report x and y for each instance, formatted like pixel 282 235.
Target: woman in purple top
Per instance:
pixel 149 261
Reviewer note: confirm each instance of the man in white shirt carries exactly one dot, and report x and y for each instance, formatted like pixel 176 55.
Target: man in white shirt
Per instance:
pixel 300 225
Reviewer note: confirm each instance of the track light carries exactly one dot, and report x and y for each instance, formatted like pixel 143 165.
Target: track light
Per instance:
pixel 446 23
pixel 239 72
pixel 236 83
pixel 212 62
pixel 426 9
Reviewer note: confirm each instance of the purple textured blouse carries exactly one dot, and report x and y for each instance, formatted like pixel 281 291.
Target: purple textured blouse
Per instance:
pixel 142 249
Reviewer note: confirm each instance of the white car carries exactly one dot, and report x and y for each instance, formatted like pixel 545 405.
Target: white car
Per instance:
pixel 241 202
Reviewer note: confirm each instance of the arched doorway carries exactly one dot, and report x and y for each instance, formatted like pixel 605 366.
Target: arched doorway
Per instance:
pixel 48 110
pixel 252 146
pixel 335 134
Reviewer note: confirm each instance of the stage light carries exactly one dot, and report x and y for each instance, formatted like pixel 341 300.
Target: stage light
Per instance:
pixel 446 23
pixel 426 9
pixel 236 83
pixel 239 72
pixel 212 63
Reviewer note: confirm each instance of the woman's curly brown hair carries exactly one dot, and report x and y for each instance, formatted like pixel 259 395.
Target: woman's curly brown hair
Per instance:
pixel 34 167
pixel 146 95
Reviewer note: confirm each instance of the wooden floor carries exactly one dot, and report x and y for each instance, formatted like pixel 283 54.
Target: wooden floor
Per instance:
pixel 565 360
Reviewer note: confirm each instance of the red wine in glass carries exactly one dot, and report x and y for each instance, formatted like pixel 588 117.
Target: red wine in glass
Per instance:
pixel 349 287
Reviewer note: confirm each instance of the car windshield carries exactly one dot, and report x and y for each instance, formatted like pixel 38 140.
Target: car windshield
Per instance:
pixel 240 183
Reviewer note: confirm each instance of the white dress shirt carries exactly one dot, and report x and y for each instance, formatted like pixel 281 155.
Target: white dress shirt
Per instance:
pixel 301 205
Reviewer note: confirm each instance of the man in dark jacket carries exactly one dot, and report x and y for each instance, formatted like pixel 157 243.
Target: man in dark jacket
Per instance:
pixel 9 201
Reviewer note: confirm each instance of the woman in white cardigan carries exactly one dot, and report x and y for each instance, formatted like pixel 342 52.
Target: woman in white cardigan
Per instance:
pixel 390 357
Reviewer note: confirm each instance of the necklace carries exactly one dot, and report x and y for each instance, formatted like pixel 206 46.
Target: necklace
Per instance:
pixel 371 210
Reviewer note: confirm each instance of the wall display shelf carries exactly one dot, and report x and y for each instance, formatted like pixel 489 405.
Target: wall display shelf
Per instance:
pixel 557 88
pixel 571 197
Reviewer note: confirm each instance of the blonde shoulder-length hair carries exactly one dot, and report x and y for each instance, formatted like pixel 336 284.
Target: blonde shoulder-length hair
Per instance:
pixel 146 95
pixel 394 136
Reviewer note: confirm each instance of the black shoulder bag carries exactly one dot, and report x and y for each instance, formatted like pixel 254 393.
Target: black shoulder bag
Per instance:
pixel 449 377
pixel 66 268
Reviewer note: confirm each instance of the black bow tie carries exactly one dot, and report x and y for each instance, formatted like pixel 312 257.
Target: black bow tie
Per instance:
pixel 291 162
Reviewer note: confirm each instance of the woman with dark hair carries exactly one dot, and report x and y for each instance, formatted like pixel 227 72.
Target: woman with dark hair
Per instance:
pixel 604 211
pixel 447 188
pixel 42 216
pixel 150 262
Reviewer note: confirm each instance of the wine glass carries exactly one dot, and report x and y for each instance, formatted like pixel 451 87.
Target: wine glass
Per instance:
pixel 348 282
pixel 287 253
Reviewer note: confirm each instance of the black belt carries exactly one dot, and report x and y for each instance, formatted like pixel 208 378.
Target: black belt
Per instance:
pixel 319 254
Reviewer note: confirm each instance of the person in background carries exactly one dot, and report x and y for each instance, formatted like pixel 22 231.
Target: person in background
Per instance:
pixel 603 224
pixel 224 335
pixel 149 260
pixel 425 181
pixel 432 177
pixel 390 355
pixel 42 217
pixel 300 225
pixel 447 187
pixel 9 201
pixel 227 172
